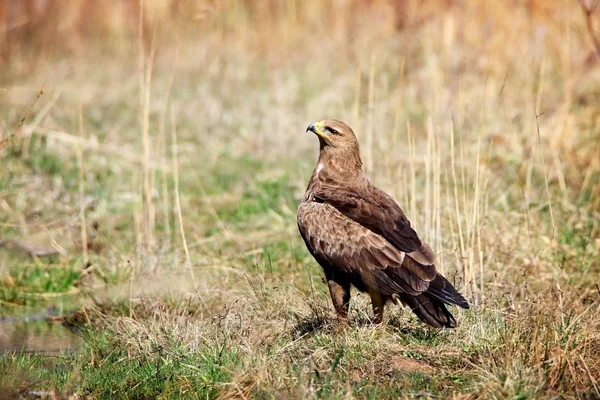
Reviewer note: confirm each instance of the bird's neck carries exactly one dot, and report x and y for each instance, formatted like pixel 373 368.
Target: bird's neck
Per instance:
pixel 338 164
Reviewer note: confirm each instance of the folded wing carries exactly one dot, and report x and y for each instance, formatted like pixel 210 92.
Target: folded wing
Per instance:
pixel 373 209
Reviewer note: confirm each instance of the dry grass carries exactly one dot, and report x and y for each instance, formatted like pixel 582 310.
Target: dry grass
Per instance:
pixel 174 166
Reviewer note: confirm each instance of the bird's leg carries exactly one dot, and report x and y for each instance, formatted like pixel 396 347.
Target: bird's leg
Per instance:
pixel 340 295
pixel 378 302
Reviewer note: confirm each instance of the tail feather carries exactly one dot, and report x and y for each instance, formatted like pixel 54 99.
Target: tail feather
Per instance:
pixel 429 310
pixel 429 305
pixel 443 290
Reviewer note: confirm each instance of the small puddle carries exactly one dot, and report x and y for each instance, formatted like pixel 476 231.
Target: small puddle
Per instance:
pixel 36 334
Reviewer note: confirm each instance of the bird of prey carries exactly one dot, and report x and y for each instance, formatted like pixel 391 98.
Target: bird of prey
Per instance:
pixel 361 237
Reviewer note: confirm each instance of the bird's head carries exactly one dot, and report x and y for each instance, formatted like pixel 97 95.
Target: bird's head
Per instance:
pixel 339 147
pixel 334 133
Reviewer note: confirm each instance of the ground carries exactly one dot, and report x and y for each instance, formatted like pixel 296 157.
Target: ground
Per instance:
pixel 149 204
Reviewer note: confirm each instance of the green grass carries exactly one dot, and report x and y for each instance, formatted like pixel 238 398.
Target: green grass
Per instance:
pixel 102 367
pixel 259 199
pixel 38 281
pixel 127 361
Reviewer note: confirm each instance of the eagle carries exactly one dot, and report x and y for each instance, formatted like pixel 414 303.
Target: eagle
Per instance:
pixel 361 237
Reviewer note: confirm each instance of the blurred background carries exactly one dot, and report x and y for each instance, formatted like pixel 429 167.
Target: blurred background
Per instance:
pixel 163 142
pixel 479 117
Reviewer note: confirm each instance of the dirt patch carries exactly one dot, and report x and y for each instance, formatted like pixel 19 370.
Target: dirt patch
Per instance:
pixel 405 364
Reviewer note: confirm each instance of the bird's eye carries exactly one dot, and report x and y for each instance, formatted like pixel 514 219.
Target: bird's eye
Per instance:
pixel 330 129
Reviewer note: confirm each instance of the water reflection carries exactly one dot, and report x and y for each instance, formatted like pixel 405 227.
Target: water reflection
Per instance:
pixel 36 335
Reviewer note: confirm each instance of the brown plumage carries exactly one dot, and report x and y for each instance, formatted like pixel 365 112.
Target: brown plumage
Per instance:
pixel 361 237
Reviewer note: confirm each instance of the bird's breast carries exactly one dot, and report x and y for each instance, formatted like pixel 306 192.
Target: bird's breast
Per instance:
pixel 322 222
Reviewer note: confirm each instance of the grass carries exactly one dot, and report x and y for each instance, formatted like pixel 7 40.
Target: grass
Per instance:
pixel 154 199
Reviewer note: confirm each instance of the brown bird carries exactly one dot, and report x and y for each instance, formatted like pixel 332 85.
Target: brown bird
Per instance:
pixel 361 237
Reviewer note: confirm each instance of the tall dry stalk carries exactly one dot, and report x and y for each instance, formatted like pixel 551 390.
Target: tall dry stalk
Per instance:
pixel 162 147
pixel 145 66
pixel 458 214
pixel 368 152
pixel 175 160
pixel 82 220
pixel 413 169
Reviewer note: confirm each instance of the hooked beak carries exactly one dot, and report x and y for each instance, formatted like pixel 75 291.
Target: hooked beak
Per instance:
pixel 317 128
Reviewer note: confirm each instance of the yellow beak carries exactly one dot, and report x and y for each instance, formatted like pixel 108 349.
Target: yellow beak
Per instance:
pixel 317 128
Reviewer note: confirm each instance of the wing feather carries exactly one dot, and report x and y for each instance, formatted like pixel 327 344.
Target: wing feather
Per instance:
pixel 371 262
pixel 373 209
pixel 345 245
